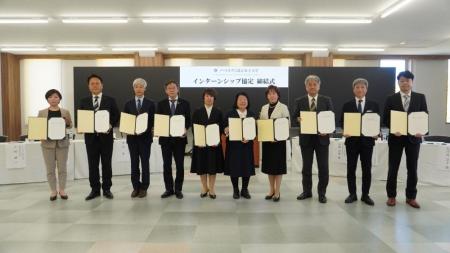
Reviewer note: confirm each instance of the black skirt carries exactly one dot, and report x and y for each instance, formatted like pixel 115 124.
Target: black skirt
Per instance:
pixel 274 158
pixel 239 159
pixel 207 160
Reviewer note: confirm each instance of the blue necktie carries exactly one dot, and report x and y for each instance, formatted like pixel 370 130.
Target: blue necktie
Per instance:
pixel 172 106
pixel 139 106
pixel 360 106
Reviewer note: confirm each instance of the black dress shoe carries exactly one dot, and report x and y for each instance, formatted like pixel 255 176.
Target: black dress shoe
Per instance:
pixel 92 195
pixel 304 195
pixel 351 198
pixel 179 195
pixel 65 197
pixel 142 193
pixel 203 194
pixel 269 197
pixel 167 194
pixel 135 193
pixel 366 199
pixel 236 195
pixel 108 194
pixel 245 194
pixel 322 199
pixel 276 198
pixel 213 196
pixel 53 198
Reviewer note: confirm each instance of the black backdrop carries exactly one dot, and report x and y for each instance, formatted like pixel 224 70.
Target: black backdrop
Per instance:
pixel 336 83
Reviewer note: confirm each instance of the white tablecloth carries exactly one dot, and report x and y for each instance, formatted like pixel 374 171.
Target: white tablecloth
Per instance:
pixel 433 165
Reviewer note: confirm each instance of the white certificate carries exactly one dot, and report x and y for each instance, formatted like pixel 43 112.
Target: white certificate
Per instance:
pixel 308 123
pixel 235 129
pixel 418 123
pixel 326 123
pixel 370 124
pixel 56 128
pixel 199 135
pixel 127 123
pixel 249 129
pixel 141 123
pixel 161 125
pixel 101 121
pixel 177 127
pixel 85 122
pixel 352 124
pixel 212 135
pixel 399 122
pixel 281 126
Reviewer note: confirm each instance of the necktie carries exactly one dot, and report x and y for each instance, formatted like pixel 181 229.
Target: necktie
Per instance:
pixel 96 105
pixel 313 105
pixel 139 105
pixel 406 103
pixel 172 106
pixel 360 106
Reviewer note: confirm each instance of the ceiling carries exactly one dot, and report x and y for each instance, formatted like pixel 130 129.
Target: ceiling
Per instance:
pixel 422 27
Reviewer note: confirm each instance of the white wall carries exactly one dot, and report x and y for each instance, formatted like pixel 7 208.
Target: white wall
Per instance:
pixel 231 62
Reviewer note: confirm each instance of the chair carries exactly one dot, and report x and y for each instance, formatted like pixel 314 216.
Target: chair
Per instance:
pixel 3 138
pixel 23 137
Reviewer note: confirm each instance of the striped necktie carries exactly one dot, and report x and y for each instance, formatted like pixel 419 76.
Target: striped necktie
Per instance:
pixel 313 105
pixel 406 103
pixel 96 105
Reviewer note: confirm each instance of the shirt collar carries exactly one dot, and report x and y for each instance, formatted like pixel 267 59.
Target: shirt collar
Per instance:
pixel 208 108
pixel 363 99
pixel 176 99
pixel 141 98
pixel 315 97
pixel 403 94
pixel 99 95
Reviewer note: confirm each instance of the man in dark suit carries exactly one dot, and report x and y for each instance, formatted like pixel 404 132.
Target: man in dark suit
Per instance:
pixel 359 146
pixel 408 101
pixel 100 145
pixel 310 143
pixel 173 105
pixel 140 145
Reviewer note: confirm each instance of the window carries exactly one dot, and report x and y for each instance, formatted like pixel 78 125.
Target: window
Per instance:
pixel 399 66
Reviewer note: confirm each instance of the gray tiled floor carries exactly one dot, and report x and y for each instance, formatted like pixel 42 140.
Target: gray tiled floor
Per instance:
pixel 29 222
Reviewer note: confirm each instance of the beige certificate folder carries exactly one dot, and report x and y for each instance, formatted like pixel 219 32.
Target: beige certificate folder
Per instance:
pixel 265 130
pixel 199 135
pixel 206 135
pixel 352 123
pixel 161 126
pixel 399 122
pixel 308 124
pixel 37 128
pixel 85 121
pixel 127 123
pixel 235 129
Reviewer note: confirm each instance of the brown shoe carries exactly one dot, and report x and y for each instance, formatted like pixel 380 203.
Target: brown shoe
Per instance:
pixel 391 202
pixel 413 203
pixel 135 193
pixel 142 193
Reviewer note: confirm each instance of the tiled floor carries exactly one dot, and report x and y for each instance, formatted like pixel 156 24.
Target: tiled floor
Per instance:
pixel 29 222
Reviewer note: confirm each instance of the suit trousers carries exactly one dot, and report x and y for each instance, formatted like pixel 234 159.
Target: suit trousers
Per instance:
pixel 177 150
pixel 365 155
pixel 322 164
pixel 56 158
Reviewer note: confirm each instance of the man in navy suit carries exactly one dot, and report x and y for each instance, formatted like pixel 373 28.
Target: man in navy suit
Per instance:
pixel 408 101
pixel 310 143
pixel 173 105
pixel 359 146
pixel 100 145
pixel 140 145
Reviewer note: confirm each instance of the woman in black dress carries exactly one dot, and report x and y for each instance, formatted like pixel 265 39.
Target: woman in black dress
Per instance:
pixel 274 153
pixel 239 154
pixel 208 161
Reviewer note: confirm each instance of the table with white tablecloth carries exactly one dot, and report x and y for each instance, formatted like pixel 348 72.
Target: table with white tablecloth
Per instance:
pixel 433 165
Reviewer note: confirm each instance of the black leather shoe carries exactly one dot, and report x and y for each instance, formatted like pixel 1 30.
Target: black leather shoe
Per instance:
pixel 322 199
pixel 108 194
pixel 65 197
pixel 245 194
pixel 135 193
pixel 276 198
pixel 92 195
pixel 366 199
pixel 53 198
pixel 236 195
pixel 269 197
pixel 212 196
pixel 166 194
pixel 351 198
pixel 142 193
pixel 304 195
pixel 179 195
pixel 203 195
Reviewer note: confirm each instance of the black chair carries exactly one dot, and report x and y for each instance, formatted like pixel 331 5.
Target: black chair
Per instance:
pixel 437 138
pixel 3 138
pixel 23 137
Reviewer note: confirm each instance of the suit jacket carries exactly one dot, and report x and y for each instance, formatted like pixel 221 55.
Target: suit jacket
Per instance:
pixel 182 108
pixel 323 103
pixel 280 111
pixel 106 103
pixel 394 102
pixel 371 107
pixel 148 106
pixel 56 143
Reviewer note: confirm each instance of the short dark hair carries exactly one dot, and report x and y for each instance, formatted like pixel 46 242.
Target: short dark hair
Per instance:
pixel 406 74
pixel 274 89
pixel 94 76
pixel 209 91
pixel 49 93
pixel 170 82
pixel 236 99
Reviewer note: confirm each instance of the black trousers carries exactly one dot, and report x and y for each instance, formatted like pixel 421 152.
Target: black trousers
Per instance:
pixel 140 150
pixel 322 164
pixel 395 157
pixel 96 151
pixel 365 155
pixel 177 150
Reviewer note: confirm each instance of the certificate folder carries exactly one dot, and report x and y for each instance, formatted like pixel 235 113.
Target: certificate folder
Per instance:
pixel 352 124
pixel 399 122
pixel 40 128
pixel 240 129
pixel 314 123
pixel 169 126
pixel 132 124
pixel 206 135
pixel 356 125
pixel 93 122
pixel 273 129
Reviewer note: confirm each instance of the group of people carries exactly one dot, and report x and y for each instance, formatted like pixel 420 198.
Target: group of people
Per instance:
pixel 237 158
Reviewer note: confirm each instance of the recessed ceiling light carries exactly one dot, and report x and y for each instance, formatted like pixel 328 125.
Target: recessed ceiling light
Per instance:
pixel 248 49
pixel 304 49
pixel 338 21
pixel 256 20
pixel 79 49
pixel 102 20
pixel 175 20
pixel 24 20
pixel 191 49
pixel 360 49
pixel 134 49
pixel 24 49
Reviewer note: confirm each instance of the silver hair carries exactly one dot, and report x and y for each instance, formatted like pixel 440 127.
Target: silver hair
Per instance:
pixel 312 77
pixel 139 81
pixel 361 80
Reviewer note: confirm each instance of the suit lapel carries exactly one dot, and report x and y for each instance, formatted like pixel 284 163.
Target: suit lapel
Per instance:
pixel 398 100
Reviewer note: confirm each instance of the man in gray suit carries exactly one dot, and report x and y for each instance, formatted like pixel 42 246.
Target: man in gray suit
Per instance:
pixel 310 143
